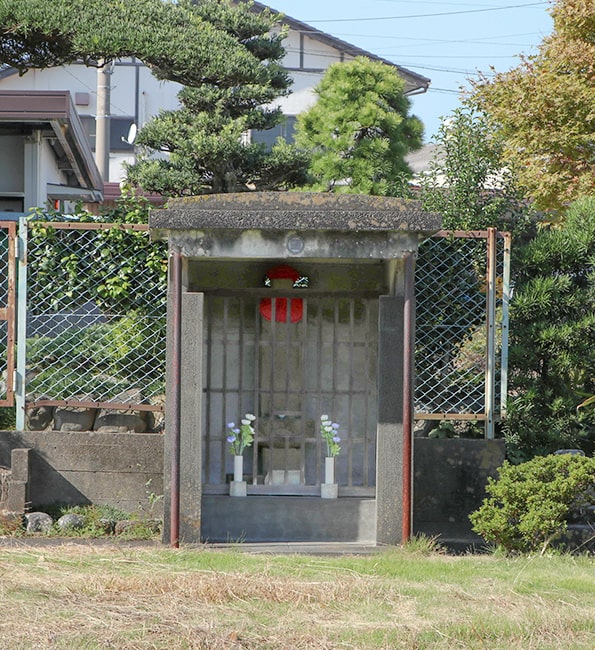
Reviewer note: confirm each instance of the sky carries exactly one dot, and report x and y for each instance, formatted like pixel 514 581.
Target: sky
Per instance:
pixel 448 41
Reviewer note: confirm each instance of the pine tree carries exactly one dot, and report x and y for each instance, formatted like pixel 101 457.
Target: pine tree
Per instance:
pixel 205 140
pixel 552 353
pixel 360 130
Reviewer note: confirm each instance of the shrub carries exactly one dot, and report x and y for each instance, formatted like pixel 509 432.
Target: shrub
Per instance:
pixel 529 504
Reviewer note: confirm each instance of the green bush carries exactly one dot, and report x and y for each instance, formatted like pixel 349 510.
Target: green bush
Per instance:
pixel 529 504
pixel 104 359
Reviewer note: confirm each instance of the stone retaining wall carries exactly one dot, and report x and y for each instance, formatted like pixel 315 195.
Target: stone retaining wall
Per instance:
pixel 121 470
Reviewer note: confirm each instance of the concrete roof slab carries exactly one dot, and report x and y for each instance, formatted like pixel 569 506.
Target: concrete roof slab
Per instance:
pixel 294 211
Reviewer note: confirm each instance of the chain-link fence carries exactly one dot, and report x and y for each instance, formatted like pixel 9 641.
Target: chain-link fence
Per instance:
pixel 96 316
pixel 95 313
pixel 7 310
pixel 461 324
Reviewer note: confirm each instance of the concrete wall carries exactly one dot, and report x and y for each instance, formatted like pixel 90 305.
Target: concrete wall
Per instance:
pixel 449 483
pixel 82 468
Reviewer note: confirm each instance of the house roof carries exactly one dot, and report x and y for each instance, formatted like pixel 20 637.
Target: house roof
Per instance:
pixel 53 113
pixel 415 83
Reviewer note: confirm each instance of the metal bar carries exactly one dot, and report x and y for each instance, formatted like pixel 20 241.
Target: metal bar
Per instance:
pixel 21 326
pixel 288 349
pixel 256 394
pixel 365 406
pixel 77 225
pixel 208 346
pixel 344 392
pixel 115 406
pixel 223 361
pixel 174 416
pixel 450 416
pixel 291 490
pixel 408 352
pixel 467 234
pixel 304 383
pixel 490 378
pixel 505 324
pixel 293 293
pixel 319 445
pixel 348 438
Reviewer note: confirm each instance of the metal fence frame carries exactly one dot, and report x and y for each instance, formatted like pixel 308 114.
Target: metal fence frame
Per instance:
pixel 497 295
pixel 23 299
pixel 494 315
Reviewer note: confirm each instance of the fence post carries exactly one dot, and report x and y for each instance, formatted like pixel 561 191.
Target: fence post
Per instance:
pixel 490 379
pixel 21 338
pixel 505 330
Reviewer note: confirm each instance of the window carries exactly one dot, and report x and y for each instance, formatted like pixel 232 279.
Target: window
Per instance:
pixel 284 130
pixel 119 127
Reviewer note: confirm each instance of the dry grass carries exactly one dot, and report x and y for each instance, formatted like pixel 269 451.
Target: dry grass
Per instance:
pixel 76 596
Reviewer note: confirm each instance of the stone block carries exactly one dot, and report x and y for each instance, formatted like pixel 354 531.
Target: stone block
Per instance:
pixel 20 464
pixel 40 418
pixel 18 497
pixel 329 491
pixel 121 422
pixel 69 418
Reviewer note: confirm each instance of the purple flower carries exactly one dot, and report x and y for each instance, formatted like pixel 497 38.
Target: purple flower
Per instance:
pixel 336 439
pixel 335 425
pixel 231 425
pixel 231 439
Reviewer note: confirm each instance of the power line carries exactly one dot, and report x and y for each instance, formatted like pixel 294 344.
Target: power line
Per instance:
pixel 450 56
pixel 446 91
pixel 422 42
pixel 443 13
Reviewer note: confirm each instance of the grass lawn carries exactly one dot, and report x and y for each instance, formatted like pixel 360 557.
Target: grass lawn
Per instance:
pixel 84 596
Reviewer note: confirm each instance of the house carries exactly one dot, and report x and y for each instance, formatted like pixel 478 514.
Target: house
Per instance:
pixel 136 95
pixel 44 153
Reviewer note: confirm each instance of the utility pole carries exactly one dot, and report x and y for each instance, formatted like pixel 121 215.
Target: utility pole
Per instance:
pixel 102 118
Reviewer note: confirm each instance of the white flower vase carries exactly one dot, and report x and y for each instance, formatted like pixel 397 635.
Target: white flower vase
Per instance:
pixel 237 488
pixel 329 489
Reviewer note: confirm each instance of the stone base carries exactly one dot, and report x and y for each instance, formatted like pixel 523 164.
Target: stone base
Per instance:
pixel 260 519
pixel 329 490
pixel 237 489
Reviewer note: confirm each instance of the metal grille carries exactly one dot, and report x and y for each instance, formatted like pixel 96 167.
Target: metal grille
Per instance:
pixel 96 312
pixel 461 325
pixel 288 374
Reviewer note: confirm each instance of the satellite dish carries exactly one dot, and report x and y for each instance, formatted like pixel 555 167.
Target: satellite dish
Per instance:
pixel 131 137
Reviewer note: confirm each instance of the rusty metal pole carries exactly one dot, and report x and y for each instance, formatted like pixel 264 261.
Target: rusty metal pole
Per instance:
pixel 176 389
pixel 408 350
